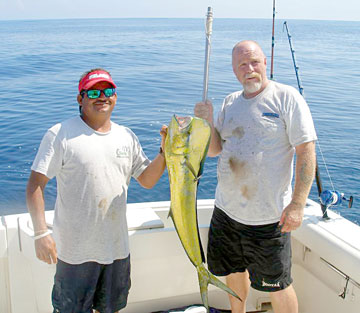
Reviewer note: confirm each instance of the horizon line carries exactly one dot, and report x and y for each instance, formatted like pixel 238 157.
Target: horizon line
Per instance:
pixel 194 18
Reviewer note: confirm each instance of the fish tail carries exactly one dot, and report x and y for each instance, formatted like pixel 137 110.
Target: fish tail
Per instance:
pixel 206 278
pixel 218 283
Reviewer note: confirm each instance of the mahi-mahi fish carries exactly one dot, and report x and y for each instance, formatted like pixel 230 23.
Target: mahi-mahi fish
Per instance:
pixel 186 146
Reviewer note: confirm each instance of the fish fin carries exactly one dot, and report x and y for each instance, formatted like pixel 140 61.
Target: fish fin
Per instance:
pixel 191 169
pixel 202 163
pixel 197 226
pixel 170 213
pixel 206 278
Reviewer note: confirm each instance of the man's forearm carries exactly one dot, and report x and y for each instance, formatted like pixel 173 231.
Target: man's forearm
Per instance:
pixel 150 176
pixel 35 200
pixel 215 146
pixel 305 172
pixel 36 207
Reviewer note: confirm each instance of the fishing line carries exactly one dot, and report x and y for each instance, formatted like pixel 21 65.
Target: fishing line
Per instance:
pixel 328 197
pixel 326 167
pixel 301 90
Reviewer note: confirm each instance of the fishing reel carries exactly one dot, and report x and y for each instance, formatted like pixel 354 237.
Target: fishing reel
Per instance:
pixel 329 198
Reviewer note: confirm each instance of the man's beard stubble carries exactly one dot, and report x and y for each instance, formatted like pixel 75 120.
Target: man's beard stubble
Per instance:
pixel 251 87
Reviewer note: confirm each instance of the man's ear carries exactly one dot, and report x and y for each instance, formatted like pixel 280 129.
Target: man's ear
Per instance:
pixel 79 99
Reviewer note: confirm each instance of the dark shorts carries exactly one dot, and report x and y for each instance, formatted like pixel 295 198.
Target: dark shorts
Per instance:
pixel 262 250
pixel 83 287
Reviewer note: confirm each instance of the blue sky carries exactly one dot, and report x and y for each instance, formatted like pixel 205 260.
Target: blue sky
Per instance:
pixel 348 10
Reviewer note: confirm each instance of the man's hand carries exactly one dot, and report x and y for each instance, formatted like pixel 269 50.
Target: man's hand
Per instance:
pixel 291 217
pixel 46 249
pixel 163 133
pixel 205 110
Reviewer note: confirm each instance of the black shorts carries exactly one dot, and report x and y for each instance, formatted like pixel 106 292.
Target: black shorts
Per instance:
pixel 262 250
pixel 83 287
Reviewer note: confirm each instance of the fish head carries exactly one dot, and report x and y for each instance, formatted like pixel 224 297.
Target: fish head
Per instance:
pixel 177 139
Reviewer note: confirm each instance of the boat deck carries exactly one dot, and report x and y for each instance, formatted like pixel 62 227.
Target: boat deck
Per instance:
pixel 201 309
pixel 325 255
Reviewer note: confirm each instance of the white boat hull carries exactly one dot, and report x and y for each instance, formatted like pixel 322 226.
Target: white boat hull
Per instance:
pixel 326 263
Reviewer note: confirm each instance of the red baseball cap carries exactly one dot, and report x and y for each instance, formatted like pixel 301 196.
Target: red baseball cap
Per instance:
pixel 94 77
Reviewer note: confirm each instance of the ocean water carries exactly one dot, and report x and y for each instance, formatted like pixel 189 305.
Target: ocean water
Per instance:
pixel 158 66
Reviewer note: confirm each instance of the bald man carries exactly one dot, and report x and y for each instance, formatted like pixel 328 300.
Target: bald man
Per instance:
pixel 256 135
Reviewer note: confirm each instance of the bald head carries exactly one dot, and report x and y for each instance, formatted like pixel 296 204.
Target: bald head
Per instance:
pixel 247 46
pixel 249 66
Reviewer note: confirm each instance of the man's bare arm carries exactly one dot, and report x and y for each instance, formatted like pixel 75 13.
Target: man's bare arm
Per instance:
pixel 45 246
pixel 292 215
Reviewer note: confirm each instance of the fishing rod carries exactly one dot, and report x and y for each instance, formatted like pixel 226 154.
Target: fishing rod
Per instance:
pixel 327 197
pixel 209 20
pixel 301 89
pixel 272 44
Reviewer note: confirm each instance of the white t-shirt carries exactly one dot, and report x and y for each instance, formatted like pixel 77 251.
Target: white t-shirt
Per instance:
pixel 259 136
pixel 93 171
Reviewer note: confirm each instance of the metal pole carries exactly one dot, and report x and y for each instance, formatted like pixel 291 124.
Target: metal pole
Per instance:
pixel 209 20
pixel 272 44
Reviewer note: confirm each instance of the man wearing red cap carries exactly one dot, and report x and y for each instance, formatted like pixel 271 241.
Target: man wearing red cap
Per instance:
pixel 93 160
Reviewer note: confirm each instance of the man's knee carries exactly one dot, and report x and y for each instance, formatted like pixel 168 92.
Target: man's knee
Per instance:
pixel 284 301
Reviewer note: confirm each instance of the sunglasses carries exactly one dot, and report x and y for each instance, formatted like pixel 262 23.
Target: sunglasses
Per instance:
pixel 95 93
